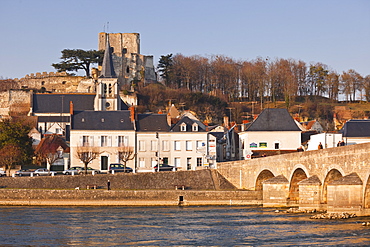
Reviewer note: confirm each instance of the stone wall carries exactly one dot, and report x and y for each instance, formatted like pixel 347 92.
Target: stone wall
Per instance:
pixel 102 197
pixel 347 159
pixel 192 180
pixel 53 82
pixel 15 102
pixel 205 187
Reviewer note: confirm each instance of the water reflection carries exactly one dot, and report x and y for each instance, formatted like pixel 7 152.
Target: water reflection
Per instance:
pixel 163 226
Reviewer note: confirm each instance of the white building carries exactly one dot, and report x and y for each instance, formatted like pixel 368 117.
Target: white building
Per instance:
pixel 274 131
pixel 327 140
pixel 105 131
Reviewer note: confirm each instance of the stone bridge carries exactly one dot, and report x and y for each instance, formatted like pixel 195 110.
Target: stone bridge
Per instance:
pixel 335 179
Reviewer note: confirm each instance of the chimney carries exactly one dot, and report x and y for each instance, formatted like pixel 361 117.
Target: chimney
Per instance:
pixel 71 108
pixel 132 113
pixel 226 121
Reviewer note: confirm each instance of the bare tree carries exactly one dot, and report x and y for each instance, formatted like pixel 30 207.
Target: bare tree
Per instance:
pixel 367 87
pixel 126 153
pixel 9 156
pixel 86 155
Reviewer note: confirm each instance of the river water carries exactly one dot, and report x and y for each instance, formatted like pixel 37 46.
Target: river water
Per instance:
pixel 173 226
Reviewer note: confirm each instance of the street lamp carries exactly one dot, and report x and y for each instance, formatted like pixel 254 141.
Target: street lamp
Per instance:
pixel 158 147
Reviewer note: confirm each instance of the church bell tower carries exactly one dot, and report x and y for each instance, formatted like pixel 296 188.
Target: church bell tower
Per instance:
pixel 107 88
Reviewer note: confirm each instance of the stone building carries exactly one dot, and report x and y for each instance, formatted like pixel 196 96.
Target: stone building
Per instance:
pixel 129 65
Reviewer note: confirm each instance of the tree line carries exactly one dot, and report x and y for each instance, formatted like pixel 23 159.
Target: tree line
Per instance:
pixel 260 79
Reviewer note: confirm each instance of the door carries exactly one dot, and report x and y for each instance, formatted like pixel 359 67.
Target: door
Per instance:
pixel 104 163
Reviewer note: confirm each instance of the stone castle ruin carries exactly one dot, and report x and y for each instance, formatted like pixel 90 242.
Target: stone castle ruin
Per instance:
pixel 130 66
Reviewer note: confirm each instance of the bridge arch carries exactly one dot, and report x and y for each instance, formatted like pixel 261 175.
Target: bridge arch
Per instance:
pixel 262 176
pixel 332 175
pixel 298 175
pixel 367 193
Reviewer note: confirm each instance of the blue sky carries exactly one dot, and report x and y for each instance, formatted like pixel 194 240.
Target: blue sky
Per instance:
pixel 333 32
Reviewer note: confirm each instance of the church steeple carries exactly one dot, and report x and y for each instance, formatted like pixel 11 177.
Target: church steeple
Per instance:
pixel 107 67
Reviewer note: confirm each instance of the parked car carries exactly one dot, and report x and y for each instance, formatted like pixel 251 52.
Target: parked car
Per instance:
pixel 23 172
pixel 89 170
pixel 117 167
pixel 75 169
pixel 164 167
pixel 2 172
pixel 44 172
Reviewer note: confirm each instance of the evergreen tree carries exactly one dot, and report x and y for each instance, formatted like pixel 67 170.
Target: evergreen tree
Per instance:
pixel 74 60
pixel 16 133
pixel 164 67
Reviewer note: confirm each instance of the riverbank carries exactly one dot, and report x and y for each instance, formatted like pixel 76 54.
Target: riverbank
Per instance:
pixel 103 197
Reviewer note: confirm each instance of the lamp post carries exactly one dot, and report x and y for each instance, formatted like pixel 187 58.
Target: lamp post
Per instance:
pixel 158 147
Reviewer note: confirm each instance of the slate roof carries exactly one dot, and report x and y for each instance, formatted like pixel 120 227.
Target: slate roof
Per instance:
pixel 356 128
pixel 273 119
pixel 55 119
pixel 189 123
pixel 107 67
pixel 152 122
pixel 58 103
pixel 102 120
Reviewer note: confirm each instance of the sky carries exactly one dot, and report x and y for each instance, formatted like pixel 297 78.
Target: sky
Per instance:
pixel 332 32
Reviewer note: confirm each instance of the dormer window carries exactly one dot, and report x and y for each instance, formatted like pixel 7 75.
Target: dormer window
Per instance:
pixel 195 127
pixel 102 120
pixel 83 120
pixel 183 127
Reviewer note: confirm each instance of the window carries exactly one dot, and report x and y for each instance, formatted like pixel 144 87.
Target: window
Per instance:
pixel 183 127
pixel 141 162
pixel 153 145
pixel 154 162
pixel 199 161
pixel 195 127
pixel 165 160
pixel 177 162
pixel 104 89
pixel 122 141
pixel 104 141
pixel 189 146
pixel 85 141
pixel 200 144
pixel 165 146
pixel 188 163
pixel 141 145
pixel 176 145
pixel 277 145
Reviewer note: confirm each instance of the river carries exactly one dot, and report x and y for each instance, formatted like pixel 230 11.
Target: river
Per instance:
pixel 173 226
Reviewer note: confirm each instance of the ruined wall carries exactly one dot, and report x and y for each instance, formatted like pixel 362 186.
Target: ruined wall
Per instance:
pixel 15 102
pixel 128 63
pixel 59 82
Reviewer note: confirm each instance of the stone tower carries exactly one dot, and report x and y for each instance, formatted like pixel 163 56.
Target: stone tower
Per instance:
pixel 130 66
